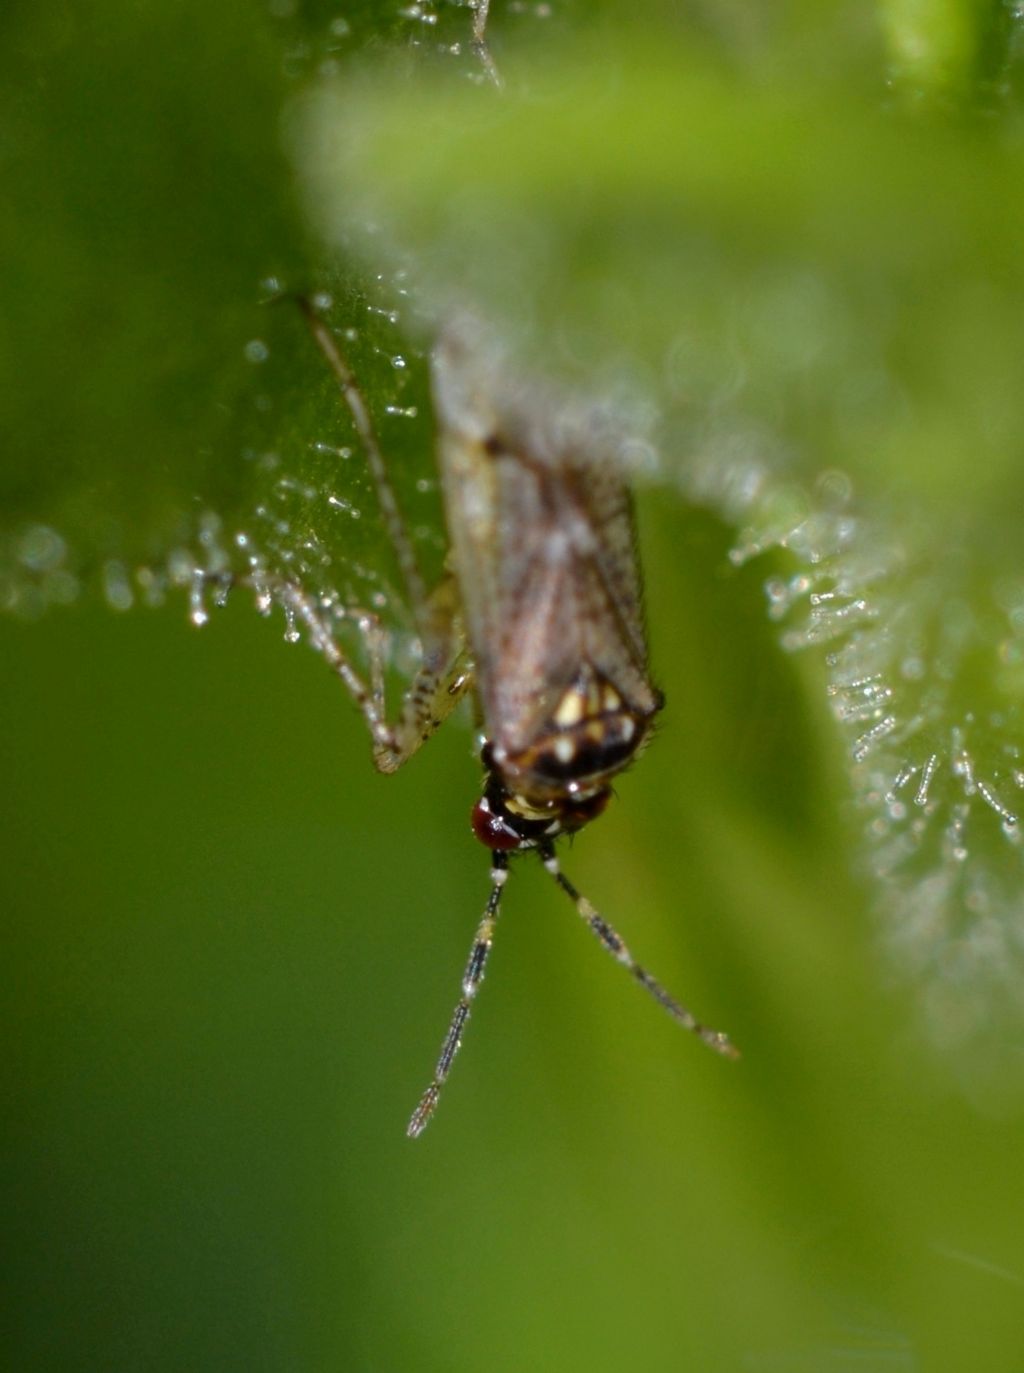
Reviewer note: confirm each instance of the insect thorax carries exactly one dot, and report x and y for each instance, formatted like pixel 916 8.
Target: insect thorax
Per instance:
pixel 560 781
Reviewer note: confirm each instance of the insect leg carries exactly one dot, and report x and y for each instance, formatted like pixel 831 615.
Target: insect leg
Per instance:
pixel 479 41
pixel 615 945
pixel 444 673
pixel 441 680
pixel 360 412
pixel 471 980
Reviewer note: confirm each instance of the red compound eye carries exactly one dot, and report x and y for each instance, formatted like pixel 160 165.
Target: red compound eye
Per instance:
pixel 491 829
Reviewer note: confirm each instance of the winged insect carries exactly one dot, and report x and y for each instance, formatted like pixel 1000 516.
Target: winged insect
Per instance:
pixel 539 615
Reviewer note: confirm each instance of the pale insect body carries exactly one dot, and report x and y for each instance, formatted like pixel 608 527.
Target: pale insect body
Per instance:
pixel 541 614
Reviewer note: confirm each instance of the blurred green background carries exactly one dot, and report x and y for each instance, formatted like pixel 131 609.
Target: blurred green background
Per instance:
pixel 230 948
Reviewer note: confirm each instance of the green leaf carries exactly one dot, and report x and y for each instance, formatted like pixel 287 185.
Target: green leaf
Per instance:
pixel 822 302
pixel 782 245
pixel 159 413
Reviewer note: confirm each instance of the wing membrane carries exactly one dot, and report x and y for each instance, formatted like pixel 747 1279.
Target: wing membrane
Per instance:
pixel 542 536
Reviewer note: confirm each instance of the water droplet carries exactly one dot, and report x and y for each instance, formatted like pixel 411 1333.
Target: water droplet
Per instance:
pixel 116 586
pixel 180 566
pixel 41 548
pixel 835 487
pixel 197 611
pixel 151 585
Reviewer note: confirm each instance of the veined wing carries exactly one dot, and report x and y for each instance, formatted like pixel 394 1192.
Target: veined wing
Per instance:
pixel 542 538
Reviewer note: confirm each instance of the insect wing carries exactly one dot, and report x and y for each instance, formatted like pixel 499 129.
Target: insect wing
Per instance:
pixel 542 537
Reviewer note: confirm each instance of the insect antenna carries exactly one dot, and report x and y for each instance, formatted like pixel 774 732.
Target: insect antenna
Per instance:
pixel 471 980
pixel 615 945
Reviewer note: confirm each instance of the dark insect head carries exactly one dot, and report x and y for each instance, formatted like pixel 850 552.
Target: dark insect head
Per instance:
pixel 506 822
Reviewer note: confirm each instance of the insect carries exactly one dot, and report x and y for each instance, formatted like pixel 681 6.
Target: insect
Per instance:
pixel 540 616
pixel 478 42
